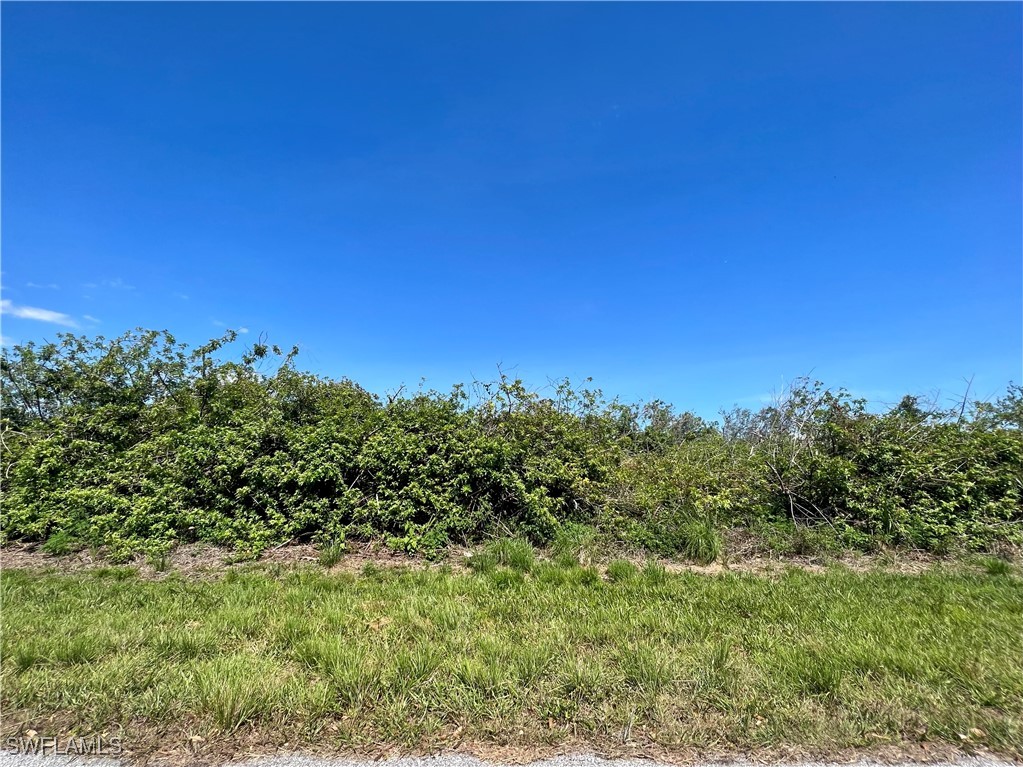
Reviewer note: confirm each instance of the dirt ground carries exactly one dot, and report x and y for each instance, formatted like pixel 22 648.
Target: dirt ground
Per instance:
pixel 196 560
pixel 177 746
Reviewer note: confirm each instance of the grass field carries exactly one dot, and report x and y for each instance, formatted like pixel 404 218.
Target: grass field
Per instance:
pixel 521 651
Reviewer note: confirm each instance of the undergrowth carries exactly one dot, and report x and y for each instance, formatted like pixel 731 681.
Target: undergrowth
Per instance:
pixel 138 443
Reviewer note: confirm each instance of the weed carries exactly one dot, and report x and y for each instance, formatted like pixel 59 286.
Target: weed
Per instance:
pixel 504 578
pixel 586 576
pixel 332 553
pixel 160 560
pixel 233 690
pixel 115 573
pixel 181 644
pixel 415 664
pixel 27 655
pixel 646 668
pixel 554 574
pixel 481 561
pixel 580 680
pixel 815 674
pixel 61 543
pixel 351 669
pixel 74 650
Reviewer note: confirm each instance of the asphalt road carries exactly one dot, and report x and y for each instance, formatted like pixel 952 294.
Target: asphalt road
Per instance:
pixel 452 760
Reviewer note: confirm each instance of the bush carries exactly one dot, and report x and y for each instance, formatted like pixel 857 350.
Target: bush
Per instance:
pixel 137 443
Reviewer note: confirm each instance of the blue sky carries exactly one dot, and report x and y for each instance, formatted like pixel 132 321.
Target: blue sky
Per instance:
pixel 696 202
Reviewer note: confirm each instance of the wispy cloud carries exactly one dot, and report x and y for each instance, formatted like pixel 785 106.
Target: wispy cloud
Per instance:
pixel 114 284
pixel 222 324
pixel 765 398
pixel 6 341
pixel 34 313
pixel 43 285
pixel 89 318
pixel 181 296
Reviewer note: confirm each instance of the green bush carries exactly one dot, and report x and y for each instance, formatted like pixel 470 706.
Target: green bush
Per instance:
pixel 138 443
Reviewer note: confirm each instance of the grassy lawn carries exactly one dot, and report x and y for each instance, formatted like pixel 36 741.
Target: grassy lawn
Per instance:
pixel 527 652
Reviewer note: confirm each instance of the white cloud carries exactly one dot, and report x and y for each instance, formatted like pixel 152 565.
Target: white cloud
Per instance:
pixel 89 318
pixel 115 284
pixel 222 324
pixel 766 398
pixel 5 341
pixel 34 313
pixel 43 285
pixel 182 296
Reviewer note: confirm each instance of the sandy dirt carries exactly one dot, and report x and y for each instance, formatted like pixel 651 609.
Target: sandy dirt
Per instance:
pixel 200 561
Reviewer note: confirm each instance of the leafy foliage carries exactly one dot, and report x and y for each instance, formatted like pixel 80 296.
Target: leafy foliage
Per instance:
pixel 137 443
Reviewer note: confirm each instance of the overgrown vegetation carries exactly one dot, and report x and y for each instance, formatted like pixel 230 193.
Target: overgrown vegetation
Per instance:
pixel 529 652
pixel 139 443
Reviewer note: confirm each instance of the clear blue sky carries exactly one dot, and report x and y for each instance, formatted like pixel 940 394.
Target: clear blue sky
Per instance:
pixel 689 201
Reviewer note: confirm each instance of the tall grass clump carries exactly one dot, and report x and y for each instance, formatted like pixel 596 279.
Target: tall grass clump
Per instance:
pixel 234 690
pixel 700 541
pixel 332 552
pixel 515 553
pixel 621 570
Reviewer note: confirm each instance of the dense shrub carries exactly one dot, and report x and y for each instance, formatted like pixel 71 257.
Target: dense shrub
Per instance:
pixel 139 442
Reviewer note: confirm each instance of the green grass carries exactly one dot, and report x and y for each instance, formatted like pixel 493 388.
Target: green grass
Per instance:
pixel 621 570
pixel 996 566
pixel 332 553
pixel 700 541
pixel 512 552
pixel 523 651
pixel 573 544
